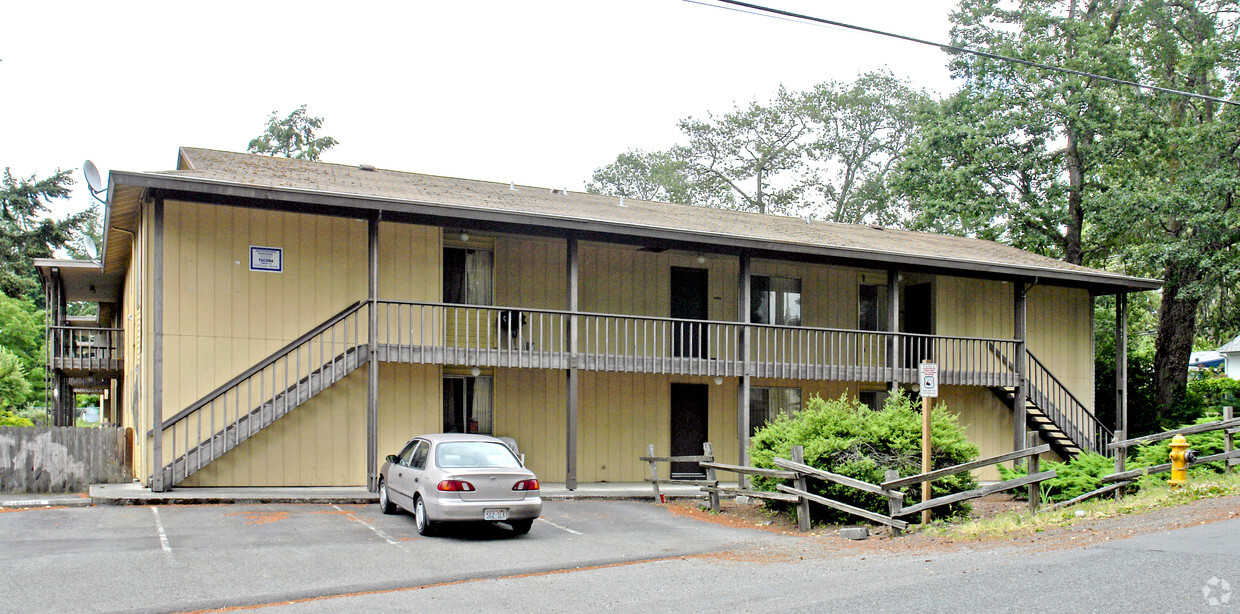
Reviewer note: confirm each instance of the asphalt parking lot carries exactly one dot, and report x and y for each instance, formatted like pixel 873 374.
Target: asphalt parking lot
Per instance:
pixel 186 558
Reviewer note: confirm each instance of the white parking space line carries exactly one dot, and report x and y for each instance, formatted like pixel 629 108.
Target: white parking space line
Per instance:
pixel 562 528
pixel 373 528
pixel 159 526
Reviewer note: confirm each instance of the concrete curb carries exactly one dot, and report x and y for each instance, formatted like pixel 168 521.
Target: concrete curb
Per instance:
pixel 29 501
pixel 174 499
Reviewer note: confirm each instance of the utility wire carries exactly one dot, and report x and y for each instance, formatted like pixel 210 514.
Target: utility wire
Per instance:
pixel 799 17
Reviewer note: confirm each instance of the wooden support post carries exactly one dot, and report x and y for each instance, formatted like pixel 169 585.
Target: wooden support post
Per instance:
pixel 709 452
pixel 1229 440
pixel 1034 466
pixel 1121 364
pixel 893 325
pixel 570 479
pixel 895 500
pixel 372 362
pixel 158 483
pixel 654 474
pixel 744 309
pixel 1021 394
pixel 927 407
pixel 803 518
pixel 1121 384
pixel 1121 458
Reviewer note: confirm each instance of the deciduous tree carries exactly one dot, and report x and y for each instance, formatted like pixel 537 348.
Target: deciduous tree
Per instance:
pixel 292 137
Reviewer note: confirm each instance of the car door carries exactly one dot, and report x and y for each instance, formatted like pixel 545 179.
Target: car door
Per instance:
pixel 416 471
pixel 398 476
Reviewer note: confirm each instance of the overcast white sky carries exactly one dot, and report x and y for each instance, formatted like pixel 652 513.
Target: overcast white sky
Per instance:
pixel 540 92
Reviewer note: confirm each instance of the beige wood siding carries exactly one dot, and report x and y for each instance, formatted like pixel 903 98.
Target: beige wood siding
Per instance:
pixel 321 443
pixel 530 406
pixel 973 307
pixel 1060 322
pixel 410 404
pixel 220 318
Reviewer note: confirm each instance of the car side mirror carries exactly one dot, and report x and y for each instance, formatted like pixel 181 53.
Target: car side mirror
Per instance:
pixel 391 458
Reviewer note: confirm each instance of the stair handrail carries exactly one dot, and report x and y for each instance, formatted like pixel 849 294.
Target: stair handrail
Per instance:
pixel 1107 434
pixel 1066 391
pixel 263 364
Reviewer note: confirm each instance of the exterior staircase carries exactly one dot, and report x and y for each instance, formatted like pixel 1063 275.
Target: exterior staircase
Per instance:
pixel 1056 414
pixel 264 393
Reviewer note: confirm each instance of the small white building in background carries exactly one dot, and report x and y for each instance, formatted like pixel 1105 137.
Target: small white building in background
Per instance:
pixel 1231 358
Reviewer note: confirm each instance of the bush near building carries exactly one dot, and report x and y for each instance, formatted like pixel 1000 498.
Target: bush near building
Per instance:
pixel 847 437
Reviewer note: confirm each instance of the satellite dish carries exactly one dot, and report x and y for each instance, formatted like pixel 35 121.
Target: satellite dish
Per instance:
pixel 92 180
pixel 92 250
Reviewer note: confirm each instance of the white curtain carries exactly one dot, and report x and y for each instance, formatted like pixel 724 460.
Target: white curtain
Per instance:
pixel 480 406
pixel 478 277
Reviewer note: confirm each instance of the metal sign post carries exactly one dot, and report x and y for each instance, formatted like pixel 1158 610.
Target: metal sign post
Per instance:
pixel 929 379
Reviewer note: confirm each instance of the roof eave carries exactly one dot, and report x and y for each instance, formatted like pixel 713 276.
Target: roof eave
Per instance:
pixel 1100 283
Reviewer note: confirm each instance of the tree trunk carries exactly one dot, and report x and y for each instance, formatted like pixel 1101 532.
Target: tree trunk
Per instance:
pixel 1072 250
pixel 1177 325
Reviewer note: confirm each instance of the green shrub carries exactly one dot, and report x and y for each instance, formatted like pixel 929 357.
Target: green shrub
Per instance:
pixel 847 437
pixel 1075 477
pixel 8 418
pixel 1209 396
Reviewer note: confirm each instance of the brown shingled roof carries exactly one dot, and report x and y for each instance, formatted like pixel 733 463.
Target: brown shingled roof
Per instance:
pixel 705 224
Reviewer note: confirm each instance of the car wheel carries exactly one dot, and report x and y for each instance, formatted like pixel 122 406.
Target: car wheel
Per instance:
pixel 425 526
pixel 521 527
pixel 385 504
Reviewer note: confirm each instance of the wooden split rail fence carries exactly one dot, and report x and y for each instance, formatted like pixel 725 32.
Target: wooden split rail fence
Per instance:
pixel 796 470
pixel 1230 425
pixel 1121 478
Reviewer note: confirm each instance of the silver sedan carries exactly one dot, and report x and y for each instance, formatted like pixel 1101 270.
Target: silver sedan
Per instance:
pixel 454 477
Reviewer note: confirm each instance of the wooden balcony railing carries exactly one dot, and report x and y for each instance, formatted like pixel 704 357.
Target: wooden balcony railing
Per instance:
pixel 83 349
pixel 471 335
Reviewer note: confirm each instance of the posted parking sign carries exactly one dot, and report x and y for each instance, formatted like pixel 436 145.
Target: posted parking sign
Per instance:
pixel 929 379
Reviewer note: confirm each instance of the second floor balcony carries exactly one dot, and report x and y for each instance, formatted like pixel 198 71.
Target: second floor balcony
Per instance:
pixel 488 336
pixel 79 350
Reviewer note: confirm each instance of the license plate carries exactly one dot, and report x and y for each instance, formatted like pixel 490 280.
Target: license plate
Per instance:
pixel 495 514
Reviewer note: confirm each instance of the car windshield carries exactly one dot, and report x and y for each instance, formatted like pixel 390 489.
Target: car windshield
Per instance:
pixel 458 454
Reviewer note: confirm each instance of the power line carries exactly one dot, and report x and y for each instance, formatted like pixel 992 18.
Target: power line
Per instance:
pixel 799 17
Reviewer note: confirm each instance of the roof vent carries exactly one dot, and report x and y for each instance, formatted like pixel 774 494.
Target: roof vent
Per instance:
pixel 367 167
pixel 512 185
pixel 557 191
pixel 876 227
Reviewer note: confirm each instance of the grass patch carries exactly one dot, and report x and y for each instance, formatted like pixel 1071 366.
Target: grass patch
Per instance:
pixel 1153 494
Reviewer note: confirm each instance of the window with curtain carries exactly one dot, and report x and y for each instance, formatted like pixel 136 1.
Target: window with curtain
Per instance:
pixel 872 307
pixel 468 405
pixel 775 300
pixel 467 276
pixel 767 402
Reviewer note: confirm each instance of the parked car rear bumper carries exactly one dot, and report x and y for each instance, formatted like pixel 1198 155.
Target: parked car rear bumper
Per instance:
pixel 452 509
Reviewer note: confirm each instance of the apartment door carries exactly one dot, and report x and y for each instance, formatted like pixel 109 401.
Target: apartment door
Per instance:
pixel 689 301
pixel 919 320
pixel 690 408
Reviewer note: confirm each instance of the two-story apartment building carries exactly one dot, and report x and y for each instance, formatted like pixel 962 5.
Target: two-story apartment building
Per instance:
pixel 283 322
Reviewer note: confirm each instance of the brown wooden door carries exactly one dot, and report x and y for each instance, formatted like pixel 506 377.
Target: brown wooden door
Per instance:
pixel 689 301
pixel 690 411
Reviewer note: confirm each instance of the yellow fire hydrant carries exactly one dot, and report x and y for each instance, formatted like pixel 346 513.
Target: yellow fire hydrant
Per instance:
pixel 1181 456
